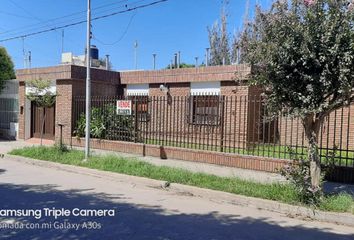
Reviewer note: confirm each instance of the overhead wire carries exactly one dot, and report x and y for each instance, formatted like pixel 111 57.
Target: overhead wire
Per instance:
pixel 43 24
pixel 83 21
pixel 121 36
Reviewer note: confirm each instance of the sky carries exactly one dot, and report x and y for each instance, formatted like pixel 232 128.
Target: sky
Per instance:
pixel 162 29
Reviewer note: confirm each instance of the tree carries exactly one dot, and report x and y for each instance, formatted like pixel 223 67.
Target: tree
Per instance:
pixel 219 40
pixel 182 65
pixel 304 53
pixel 41 94
pixel 6 68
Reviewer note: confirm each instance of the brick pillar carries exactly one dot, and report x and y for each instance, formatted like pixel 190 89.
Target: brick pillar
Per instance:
pixel 21 116
pixel 63 109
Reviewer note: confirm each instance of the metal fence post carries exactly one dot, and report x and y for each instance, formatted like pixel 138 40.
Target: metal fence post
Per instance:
pixel 222 124
pixel 135 120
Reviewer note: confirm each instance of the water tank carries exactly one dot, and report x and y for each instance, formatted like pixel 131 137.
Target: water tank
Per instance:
pixel 94 52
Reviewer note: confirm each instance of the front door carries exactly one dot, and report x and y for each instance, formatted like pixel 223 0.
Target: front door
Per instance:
pixel 37 121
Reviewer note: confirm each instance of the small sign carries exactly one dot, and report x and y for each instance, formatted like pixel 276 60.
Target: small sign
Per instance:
pixel 124 107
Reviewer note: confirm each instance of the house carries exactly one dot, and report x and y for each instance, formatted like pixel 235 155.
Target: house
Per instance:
pixel 205 114
pixel 69 81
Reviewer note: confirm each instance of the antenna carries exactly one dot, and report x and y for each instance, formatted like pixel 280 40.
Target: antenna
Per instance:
pixel 24 53
pixel 29 59
pixel 207 57
pixel 136 54
pixel 62 41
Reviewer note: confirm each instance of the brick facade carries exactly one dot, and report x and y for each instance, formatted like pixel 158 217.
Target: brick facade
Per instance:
pixel 70 82
pixel 242 124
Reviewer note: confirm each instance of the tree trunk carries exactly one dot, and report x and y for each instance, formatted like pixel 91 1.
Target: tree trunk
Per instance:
pixel 42 127
pixel 312 128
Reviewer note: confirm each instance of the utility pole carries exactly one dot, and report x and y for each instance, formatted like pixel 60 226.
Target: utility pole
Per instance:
pixel 88 81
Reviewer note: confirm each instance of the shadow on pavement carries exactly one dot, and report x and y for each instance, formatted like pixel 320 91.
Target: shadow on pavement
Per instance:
pixel 136 221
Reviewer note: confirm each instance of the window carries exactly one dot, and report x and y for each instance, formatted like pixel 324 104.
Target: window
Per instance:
pixel 139 94
pixel 205 110
pixel 205 103
pixel 141 105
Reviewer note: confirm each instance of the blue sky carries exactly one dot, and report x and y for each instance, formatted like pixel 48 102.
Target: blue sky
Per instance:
pixel 164 29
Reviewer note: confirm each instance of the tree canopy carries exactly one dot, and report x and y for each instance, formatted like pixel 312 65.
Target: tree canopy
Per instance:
pixel 303 51
pixel 6 68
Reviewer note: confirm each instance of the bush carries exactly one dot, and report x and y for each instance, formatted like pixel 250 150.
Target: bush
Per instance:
pixel 298 173
pixel 106 124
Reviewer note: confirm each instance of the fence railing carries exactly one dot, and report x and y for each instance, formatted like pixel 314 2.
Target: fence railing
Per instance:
pixel 230 124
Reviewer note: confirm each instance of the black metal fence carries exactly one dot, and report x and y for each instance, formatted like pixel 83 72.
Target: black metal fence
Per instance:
pixel 230 124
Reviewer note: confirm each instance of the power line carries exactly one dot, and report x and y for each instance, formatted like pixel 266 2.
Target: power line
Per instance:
pixel 121 37
pixel 47 22
pixel 83 21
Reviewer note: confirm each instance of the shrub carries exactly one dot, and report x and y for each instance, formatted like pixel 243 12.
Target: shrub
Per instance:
pixel 298 173
pixel 106 124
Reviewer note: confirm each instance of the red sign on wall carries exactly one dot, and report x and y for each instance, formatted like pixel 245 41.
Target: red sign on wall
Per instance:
pixel 124 107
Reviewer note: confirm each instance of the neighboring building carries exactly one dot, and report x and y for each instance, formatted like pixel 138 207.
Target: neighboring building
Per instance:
pixel 69 58
pixel 9 110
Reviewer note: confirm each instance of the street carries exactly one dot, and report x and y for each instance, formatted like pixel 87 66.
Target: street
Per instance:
pixel 141 212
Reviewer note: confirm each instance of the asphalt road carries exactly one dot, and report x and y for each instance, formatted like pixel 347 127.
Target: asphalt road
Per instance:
pixel 141 212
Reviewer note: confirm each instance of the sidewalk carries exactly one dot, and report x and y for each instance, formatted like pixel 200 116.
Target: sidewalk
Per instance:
pixel 257 176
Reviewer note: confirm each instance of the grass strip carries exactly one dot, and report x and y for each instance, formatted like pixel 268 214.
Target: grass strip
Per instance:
pixel 285 193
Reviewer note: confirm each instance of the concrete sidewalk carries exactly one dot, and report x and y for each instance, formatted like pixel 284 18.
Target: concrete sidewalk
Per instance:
pixel 257 176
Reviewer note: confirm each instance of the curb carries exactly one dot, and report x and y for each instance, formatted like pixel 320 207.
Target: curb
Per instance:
pixel 211 195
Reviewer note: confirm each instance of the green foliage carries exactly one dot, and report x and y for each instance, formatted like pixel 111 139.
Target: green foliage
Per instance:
pixel 6 68
pixel 299 174
pixel 342 202
pixel 106 124
pixel 40 93
pixel 304 57
pixel 304 54
pixel 182 65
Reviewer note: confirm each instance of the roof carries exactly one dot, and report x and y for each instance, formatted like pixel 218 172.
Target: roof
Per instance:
pixel 200 74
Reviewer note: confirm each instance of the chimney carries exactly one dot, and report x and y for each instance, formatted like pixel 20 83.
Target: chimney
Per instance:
pixel 176 60
pixel 179 59
pixel 207 57
pixel 154 60
pixel 107 62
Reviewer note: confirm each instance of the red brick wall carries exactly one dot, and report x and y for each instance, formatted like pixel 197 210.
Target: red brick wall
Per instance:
pixel 63 108
pixel 224 159
pixel 21 116
pixel 201 74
